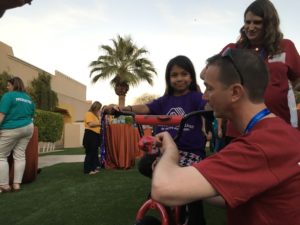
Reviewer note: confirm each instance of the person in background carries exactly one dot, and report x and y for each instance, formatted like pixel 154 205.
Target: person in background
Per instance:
pixel 217 142
pixel 91 139
pixel 16 128
pixel 257 176
pixel 182 96
pixel 261 33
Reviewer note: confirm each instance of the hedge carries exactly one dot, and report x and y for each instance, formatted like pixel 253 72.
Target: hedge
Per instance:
pixel 50 125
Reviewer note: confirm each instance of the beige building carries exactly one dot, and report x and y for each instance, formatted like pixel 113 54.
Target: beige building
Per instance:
pixel 71 94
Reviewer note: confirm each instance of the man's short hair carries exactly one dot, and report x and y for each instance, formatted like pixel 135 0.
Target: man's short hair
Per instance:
pixel 242 66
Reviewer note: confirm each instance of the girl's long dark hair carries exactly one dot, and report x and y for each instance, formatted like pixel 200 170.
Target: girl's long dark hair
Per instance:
pixel 185 63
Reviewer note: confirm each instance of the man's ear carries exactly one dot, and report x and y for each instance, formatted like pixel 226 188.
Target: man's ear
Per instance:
pixel 237 92
pixel 202 74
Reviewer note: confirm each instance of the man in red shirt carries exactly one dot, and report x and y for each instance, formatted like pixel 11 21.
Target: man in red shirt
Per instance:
pixel 257 175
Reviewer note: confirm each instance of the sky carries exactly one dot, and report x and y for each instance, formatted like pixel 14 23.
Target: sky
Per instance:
pixel 65 35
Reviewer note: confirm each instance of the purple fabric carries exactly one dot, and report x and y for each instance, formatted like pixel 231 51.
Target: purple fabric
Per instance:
pixel 103 141
pixel 192 139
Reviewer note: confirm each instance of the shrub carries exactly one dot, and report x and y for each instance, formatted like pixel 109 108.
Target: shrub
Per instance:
pixel 297 96
pixel 42 94
pixel 50 125
pixel 4 77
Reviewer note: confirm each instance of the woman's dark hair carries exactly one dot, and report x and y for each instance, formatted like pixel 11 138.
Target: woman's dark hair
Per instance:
pixel 186 64
pixel 96 106
pixel 272 34
pixel 17 84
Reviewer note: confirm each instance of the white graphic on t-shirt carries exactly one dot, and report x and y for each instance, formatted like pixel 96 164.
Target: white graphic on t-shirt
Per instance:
pixel 178 111
pixel 292 106
pixel 278 58
pixel 281 57
pixel 23 100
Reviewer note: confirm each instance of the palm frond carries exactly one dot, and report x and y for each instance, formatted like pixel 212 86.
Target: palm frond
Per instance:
pixel 124 62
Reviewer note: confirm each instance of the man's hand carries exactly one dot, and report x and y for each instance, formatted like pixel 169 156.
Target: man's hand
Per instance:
pixel 165 141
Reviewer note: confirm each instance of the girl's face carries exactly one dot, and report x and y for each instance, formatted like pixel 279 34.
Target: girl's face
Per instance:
pixel 253 27
pixel 180 80
pixel 9 87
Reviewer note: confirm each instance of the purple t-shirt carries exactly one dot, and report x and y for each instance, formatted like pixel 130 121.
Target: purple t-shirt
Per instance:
pixel 192 139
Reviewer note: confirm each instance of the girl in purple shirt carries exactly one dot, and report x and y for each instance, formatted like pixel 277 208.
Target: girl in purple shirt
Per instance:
pixel 182 96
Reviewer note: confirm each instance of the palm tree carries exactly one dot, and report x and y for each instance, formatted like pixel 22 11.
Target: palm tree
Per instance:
pixel 125 63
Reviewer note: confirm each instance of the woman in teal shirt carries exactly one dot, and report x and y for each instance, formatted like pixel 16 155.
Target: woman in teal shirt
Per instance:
pixel 16 129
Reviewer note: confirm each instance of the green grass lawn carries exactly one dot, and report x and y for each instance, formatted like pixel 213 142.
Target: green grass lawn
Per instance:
pixel 63 195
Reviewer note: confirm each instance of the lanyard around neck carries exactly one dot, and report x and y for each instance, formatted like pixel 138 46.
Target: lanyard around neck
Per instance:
pixel 256 118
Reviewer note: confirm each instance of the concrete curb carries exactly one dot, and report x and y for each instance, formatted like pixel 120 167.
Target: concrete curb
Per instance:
pixel 50 160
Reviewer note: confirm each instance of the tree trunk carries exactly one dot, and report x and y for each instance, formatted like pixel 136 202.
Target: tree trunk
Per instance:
pixel 122 100
pixel 121 90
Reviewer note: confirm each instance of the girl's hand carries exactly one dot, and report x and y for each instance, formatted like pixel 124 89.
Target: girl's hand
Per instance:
pixel 111 108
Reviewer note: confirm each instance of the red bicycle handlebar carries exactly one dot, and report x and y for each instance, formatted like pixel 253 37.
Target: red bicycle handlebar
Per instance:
pixel 158 119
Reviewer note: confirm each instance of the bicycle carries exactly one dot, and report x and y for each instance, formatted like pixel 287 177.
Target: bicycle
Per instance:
pixel 167 215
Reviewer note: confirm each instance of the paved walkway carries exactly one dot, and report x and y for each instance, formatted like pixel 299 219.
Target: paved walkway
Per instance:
pixel 49 160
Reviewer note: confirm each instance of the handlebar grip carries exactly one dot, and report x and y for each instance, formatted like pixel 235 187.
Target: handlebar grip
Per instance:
pixel 148 145
pixel 122 113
